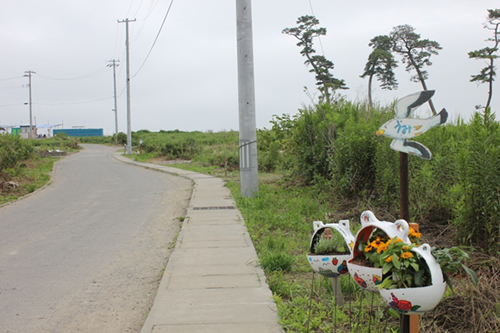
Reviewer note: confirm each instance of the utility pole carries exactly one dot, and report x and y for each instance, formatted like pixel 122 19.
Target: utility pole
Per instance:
pixel 246 100
pixel 113 63
pixel 129 126
pixel 29 74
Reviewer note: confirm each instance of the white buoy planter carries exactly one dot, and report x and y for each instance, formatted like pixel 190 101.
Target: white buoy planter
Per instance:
pixel 413 300
pixel 331 265
pixel 369 277
pixel 421 299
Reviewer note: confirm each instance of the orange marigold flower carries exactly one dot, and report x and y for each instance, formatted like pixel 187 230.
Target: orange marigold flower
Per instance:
pixel 405 248
pixel 406 255
pixel 368 248
pixel 388 259
pixel 382 248
pixel 414 233
pixel 396 240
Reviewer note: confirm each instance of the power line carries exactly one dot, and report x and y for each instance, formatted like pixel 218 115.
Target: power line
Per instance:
pixel 5 105
pixel 72 103
pixel 319 37
pixel 144 20
pixel 157 35
pixel 11 78
pixel 93 74
pixel 138 8
pixel 152 7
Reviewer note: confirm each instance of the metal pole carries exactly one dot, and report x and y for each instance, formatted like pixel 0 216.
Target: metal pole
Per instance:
pixel 129 126
pixel 246 100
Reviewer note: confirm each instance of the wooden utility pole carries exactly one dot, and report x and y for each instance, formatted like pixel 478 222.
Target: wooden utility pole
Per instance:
pixel 129 126
pixel 113 63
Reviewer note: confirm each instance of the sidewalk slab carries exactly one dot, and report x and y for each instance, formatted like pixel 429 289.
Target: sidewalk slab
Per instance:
pixel 216 328
pixel 212 281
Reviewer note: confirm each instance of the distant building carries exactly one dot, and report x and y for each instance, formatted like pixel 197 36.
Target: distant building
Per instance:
pixel 80 132
pixel 24 131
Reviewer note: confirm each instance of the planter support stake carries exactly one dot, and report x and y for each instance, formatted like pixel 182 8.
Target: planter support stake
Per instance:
pixel 371 315
pixel 337 291
pixel 310 302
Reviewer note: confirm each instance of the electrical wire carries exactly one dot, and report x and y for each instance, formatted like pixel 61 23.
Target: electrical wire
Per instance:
pixel 157 35
pixel 73 103
pixel 6 105
pixel 10 87
pixel 138 8
pixel 151 9
pixel 93 74
pixel 12 78
pixel 319 37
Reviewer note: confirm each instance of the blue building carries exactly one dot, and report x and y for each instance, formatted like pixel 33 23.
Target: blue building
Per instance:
pixel 80 132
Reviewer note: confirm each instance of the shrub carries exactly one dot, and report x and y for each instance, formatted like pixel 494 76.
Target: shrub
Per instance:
pixel 13 150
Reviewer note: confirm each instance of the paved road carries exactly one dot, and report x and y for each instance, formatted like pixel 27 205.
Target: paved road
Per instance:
pixel 85 253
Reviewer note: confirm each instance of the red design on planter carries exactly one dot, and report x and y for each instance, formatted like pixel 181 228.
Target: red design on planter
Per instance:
pixel 400 305
pixel 359 281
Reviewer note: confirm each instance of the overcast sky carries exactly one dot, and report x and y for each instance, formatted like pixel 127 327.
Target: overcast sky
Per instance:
pixel 189 82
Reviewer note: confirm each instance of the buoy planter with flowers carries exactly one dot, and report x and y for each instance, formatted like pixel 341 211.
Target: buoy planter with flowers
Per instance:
pixel 371 240
pixel 415 284
pixel 331 248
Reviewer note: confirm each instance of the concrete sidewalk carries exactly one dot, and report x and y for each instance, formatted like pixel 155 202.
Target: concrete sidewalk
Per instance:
pixel 212 282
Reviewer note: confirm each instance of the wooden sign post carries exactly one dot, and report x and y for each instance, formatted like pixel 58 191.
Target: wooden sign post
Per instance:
pixel 409 323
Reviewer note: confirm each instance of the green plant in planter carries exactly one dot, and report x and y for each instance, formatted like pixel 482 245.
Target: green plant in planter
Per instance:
pixel 330 243
pixel 402 268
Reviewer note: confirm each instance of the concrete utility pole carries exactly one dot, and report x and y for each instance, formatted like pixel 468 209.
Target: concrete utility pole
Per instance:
pixel 29 74
pixel 246 99
pixel 113 63
pixel 129 126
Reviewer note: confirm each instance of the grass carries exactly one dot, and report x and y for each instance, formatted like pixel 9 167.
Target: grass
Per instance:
pixel 279 220
pixel 30 176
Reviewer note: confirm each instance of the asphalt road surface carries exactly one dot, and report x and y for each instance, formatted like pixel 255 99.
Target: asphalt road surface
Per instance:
pixel 85 254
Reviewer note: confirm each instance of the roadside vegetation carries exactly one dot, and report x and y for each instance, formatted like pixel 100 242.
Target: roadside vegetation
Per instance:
pixel 326 164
